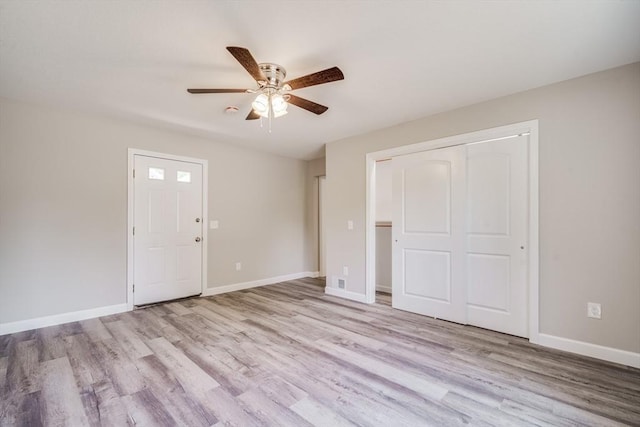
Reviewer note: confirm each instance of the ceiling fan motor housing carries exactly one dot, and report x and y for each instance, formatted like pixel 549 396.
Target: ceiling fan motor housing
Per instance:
pixel 273 73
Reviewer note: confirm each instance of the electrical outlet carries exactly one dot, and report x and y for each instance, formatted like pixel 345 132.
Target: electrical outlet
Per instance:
pixel 213 224
pixel 594 310
pixel 345 270
pixel 350 225
pixel 238 266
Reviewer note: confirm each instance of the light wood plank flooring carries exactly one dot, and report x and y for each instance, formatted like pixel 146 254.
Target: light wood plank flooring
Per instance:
pixel 287 355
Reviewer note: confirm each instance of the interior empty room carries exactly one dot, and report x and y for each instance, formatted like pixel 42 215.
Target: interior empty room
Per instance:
pixel 326 213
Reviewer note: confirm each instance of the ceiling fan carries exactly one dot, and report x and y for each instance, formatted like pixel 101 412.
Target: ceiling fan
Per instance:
pixel 273 91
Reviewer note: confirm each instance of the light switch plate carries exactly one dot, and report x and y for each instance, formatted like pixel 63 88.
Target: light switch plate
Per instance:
pixel 213 224
pixel 350 225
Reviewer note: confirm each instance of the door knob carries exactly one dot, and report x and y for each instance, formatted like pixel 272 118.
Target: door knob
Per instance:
pixel 197 219
pixel 198 239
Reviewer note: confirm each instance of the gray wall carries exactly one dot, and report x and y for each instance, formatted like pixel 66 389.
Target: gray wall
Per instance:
pixel 383 259
pixel 589 197
pixel 63 209
pixel 315 168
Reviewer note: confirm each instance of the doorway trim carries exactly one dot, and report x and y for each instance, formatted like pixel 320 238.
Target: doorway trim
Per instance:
pixel 130 211
pixel 502 132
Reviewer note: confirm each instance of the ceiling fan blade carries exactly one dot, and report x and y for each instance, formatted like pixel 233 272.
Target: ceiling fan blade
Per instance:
pixel 216 90
pixel 306 104
pixel 252 115
pixel 325 76
pixel 246 60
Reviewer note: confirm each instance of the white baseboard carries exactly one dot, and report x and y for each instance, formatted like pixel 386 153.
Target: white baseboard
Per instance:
pixel 383 288
pixel 336 292
pixel 255 283
pixel 609 354
pixel 58 319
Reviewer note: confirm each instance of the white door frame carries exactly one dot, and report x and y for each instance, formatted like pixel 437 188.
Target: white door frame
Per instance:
pixel 130 205
pixel 502 132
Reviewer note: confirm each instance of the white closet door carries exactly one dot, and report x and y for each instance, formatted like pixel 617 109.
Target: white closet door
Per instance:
pixel 428 233
pixel 168 229
pixel 460 226
pixel 496 247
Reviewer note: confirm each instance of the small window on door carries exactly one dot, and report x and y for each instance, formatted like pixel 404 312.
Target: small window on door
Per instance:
pixel 156 173
pixel 184 176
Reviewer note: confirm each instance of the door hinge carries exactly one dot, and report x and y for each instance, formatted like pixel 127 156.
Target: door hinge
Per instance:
pixel 134 288
pixel 134 173
pixel 134 231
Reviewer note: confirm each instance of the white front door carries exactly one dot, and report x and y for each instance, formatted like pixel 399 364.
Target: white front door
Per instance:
pixel 497 229
pixel 428 233
pixel 168 221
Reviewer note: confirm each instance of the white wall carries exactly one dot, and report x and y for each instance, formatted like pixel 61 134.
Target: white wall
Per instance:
pixel 63 209
pixel 589 151
pixel 383 259
pixel 383 233
pixel 383 191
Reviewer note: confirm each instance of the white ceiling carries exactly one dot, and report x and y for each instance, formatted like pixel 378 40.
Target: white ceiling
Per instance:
pixel 402 60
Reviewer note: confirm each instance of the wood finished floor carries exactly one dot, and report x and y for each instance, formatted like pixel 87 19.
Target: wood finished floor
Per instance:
pixel 287 355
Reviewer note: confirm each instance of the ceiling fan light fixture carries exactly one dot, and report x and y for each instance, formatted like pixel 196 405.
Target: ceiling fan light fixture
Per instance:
pixel 264 104
pixel 261 105
pixel 279 105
